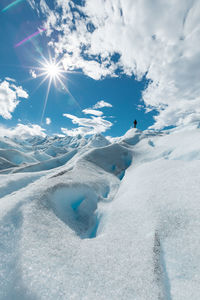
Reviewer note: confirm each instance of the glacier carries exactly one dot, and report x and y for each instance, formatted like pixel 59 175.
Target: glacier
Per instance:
pixel 101 218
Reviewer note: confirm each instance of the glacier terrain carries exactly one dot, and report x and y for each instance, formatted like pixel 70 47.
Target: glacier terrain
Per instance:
pixel 98 218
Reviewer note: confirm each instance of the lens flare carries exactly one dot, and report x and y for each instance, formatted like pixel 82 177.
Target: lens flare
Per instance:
pixel 11 5
pixel 39 31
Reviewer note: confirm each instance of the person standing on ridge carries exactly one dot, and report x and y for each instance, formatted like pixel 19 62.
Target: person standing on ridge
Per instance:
pixel 135 123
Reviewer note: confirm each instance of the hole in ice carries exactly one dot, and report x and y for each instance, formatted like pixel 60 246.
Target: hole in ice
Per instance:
pixel 76 207
pixel 106 192
pixel 121 175
pixel 128 162
pixel 113 168
pixel 76 204
pixel 151 143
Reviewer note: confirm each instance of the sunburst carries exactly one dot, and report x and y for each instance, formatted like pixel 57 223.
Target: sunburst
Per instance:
pixel 52 69
pixel 54 72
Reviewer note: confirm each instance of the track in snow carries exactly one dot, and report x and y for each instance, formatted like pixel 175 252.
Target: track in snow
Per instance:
pixel 160 270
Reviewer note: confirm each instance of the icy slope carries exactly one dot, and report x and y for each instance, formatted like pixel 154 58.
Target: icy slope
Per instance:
pixel 156 215
pixel 37 154
pixel 76 230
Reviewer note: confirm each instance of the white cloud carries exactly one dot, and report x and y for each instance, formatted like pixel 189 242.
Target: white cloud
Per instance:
pixel 77 131
pixel 140 107
pixel 9 97
pixel 101 104
pixel 48 121
pixel 156 39
pixel 20 92
pixel 32 73
pixel 89 111
pixel 23 131
pixel 10 79
pixel 87 126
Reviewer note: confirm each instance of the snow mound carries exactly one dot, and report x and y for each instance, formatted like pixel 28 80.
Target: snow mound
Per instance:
pixel 132 136
pixel 98 140
pixel 41 155
pixel 114 158
pixel 16 157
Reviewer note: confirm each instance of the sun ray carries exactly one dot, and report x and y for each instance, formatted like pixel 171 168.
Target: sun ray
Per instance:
pixel 43 80
pixel 67 90
pixel 37 76
pixel 52 71
pixel 46 99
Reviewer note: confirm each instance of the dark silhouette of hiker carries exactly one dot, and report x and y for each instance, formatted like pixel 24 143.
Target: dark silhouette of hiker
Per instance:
pixel 135 123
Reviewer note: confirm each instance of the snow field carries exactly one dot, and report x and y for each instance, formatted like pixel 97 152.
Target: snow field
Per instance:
pixel 74 229
pixel 175 211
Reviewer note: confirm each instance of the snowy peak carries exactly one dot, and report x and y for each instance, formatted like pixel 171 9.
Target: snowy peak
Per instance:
pixel 132 136
pixel 98 140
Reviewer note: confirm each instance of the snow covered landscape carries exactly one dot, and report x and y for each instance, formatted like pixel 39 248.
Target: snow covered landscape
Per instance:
pixel 101 218
pixel 99 150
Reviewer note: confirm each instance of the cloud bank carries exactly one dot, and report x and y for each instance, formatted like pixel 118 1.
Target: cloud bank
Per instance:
pixel 158 40
pixel 22 131
pixel 9 97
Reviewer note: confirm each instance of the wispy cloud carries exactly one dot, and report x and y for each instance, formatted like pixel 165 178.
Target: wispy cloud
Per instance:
pixel 9 97
pixel 101 104
pixel 10 79
pixel 158 40
pixel 96 123
pixel 87 126
pixel 89 111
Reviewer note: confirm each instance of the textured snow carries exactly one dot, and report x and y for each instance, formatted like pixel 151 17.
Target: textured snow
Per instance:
pixel 93 219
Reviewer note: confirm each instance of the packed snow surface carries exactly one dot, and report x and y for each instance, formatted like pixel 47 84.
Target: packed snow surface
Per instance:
pixel 97 219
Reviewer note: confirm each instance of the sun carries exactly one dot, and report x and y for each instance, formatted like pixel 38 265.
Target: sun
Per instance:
pixel 52 70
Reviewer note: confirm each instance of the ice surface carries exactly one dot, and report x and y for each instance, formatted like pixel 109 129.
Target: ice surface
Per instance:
pixel 16 157
pixel 47 164
pixel 98 140
pixel 5 164
pixel 91 219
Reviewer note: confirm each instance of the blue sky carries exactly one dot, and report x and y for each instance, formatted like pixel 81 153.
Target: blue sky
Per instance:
pixel 102 47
